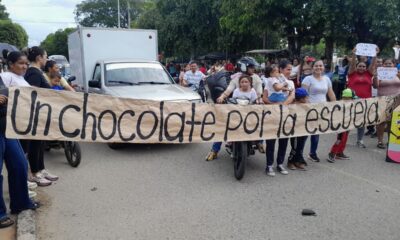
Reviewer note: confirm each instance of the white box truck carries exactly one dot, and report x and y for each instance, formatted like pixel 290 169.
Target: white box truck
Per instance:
pixel 122 63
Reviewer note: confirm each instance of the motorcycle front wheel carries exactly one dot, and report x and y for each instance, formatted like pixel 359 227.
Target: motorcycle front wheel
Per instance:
pixel 239 159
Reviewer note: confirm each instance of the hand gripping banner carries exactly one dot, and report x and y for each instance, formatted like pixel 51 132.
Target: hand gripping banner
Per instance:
pixel 35 113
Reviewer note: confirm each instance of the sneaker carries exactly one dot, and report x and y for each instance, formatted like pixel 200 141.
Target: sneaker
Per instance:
pixel 40 180
pixel 300 166
pixel 282 170
pixel 291 166
pixel 342 156
pixel 32 185
pixel 49 176
pixel 211 156
pixel 374 135
pixel 270 172
pixel 260 148
pixel 314 158
pixel 361 144
pixel 381 145
pixel 331 157
pixel 32 194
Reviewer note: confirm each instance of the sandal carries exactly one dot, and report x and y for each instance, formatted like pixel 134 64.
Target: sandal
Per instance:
pixel 381 145
pixel 6 222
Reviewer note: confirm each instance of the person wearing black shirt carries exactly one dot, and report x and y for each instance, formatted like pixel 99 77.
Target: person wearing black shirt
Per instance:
pixel 35 148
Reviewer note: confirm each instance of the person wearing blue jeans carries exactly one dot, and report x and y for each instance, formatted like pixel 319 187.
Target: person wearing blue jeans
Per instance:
pixel 313 148
pixel 17 166
pixel 216 147
pixel 280 158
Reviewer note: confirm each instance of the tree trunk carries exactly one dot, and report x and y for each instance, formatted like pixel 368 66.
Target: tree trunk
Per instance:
pixel 329 45
pixel 294 46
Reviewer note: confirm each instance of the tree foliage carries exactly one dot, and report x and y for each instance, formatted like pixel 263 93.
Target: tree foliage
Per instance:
pixel 192 27
pixel 57 43
pixel 13 33
pixel 104 13
pixel 302 22
pixel 3 12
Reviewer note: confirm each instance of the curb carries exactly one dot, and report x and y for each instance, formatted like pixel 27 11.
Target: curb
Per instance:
pixel 26 225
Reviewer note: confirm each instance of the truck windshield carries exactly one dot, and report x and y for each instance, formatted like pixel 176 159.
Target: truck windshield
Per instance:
pixel 135 74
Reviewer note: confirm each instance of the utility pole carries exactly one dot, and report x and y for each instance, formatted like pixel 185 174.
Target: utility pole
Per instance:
pixel 129 14
pixel 119 21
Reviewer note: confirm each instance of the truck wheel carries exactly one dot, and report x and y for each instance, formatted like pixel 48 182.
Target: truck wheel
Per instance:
pixel 114 146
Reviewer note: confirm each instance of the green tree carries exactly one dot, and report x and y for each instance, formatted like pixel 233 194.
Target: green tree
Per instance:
pixel 192 27
pixel 3 12
pixel 13 33
pixel 104 13
pixel 306 22
pixel 349 22
pixel 297 21
pixel 185 27
pixel 57 43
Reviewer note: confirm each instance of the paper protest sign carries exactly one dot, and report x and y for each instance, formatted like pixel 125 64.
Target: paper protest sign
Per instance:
pixel 387 73
pixel 35 113
pixel 366 49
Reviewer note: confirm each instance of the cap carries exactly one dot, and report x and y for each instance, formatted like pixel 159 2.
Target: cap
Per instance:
pixel 300 93
pixel 347 93
pixel 229 67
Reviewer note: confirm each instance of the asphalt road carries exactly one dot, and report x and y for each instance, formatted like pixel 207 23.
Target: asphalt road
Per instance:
pixel 170 192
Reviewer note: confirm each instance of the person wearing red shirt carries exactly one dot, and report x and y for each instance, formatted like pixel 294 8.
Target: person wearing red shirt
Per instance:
pixel 203 68
pixel 360 81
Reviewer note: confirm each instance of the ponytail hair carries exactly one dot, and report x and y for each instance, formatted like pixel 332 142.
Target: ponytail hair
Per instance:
pixel 33 52
pixel 11 57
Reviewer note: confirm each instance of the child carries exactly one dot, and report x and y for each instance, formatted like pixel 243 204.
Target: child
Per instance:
pixel 55 81
pixel 340 144
pixel 277 86
pixel 296 159
pixel 245 90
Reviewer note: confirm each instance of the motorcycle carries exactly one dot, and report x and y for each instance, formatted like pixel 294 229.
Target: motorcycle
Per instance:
pixel 240 151
pixel 200 89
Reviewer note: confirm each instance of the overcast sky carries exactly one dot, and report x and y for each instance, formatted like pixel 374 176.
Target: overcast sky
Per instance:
pixel 41 17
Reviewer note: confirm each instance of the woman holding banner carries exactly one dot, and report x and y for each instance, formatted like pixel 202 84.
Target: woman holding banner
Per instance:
pixel 35 148
pixel 386 88
pixel 12 155
pixel 285 68
pixel 360 81
pixel 319 87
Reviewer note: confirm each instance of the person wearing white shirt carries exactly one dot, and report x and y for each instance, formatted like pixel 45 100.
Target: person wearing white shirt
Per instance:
pixel 11 79
pixel 193 77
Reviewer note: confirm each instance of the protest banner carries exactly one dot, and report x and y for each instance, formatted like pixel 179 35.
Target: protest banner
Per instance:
pixel 35 113
pixel 387 73
pixel 393 150
pixel 366 49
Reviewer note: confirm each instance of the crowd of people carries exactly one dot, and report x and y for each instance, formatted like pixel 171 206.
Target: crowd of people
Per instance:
pixel 297 82
pixel 280 82
pixel 24 69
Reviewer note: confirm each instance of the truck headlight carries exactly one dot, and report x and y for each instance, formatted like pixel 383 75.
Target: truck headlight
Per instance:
pixel 196 101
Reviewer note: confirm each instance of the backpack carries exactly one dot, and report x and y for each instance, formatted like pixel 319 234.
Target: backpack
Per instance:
pixel 217 83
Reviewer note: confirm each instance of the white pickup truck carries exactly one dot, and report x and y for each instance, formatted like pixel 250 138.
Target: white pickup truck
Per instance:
pixel 122 63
